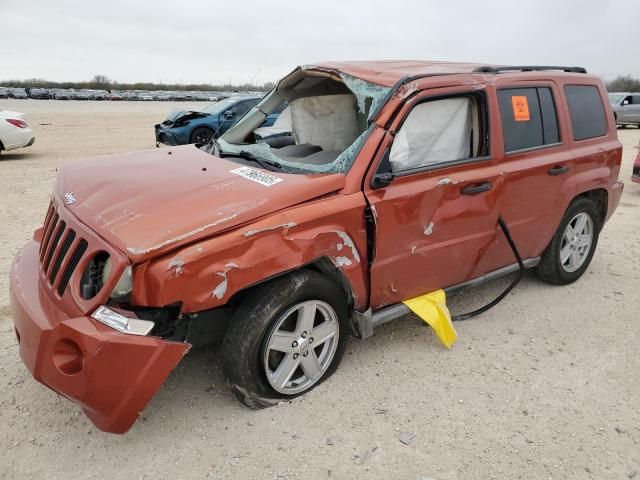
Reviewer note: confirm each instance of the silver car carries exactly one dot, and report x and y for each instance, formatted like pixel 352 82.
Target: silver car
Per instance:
pixel 626 107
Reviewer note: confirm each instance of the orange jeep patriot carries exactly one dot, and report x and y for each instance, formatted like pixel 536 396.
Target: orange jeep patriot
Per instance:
pixel 385 180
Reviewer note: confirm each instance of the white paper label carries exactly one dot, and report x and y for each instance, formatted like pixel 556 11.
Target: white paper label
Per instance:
pixel 257 176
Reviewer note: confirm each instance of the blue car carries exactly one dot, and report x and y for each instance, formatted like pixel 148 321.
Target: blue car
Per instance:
pixel 188 126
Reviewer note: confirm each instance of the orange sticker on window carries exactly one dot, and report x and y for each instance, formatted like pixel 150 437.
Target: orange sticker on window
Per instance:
pixel 520 108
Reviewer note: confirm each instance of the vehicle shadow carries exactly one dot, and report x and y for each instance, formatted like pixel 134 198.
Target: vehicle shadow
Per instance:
pixel 10 156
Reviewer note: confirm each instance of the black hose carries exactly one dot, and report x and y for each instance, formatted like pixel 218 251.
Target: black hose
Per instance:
pixel 514 249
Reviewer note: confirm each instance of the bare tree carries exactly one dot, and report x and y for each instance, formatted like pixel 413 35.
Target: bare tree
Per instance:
pixel 101 80
pixel 624 83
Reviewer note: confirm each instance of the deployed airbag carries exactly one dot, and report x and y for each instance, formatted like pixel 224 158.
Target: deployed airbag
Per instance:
pixel 434 132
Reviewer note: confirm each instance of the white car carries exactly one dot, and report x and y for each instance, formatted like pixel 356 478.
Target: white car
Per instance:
pixel 14 131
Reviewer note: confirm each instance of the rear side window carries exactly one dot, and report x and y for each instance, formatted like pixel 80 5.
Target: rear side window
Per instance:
pixel 587 113
pixel 528 118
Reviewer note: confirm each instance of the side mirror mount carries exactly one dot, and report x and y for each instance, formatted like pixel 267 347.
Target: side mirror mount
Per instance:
pixel 228 115
pixel 383 176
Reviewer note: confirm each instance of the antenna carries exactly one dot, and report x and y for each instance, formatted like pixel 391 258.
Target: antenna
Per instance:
pixel 255 76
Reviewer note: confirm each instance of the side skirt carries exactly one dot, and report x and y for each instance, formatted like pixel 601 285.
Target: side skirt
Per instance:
pixel 367 321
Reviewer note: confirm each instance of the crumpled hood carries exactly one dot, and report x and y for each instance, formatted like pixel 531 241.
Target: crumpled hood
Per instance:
pixel 176 114
pixel 148 203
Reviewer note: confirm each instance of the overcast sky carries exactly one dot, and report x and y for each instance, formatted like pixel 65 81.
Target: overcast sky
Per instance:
pixel 206 41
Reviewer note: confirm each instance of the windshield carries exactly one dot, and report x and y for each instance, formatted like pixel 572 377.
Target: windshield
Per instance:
pixel 219 107
pixel 322 130
pixel 615 97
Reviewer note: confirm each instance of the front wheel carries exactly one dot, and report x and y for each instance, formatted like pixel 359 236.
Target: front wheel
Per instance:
pixel 573 245
pixel 286 338
pixel 201 135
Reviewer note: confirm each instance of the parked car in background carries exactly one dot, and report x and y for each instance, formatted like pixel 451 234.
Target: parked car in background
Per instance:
pixel 626 107
pixel 4 93
pixel 399 178
pixel 40 93
pixel 14 131
pixel 190 126
pixel 82 95
pixel 20 93
pixel 99 95
pixel 60 94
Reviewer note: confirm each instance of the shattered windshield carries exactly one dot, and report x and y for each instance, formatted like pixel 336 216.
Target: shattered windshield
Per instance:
pixel 322 130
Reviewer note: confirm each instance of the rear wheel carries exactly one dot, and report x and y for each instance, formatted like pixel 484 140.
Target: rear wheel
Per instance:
pixel 201 135
pixel 286 338
pixel 573 245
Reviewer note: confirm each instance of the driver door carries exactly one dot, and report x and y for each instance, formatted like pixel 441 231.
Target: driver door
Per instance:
pixel 436 220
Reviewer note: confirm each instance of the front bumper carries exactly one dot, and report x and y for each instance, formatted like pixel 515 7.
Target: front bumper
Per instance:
pixel 111 375
pixel 166 137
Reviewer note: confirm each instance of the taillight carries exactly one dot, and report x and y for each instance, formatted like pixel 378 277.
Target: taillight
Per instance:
pixel 17 123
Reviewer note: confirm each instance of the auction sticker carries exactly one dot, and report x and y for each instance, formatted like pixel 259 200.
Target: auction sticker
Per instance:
pixel 520 108
pixel 257 176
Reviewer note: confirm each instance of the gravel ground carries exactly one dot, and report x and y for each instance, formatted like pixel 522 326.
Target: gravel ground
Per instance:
pixel 544 386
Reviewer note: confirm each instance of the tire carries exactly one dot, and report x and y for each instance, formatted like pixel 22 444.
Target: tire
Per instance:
pixel 201 135
pixel 248 358
pixel 552 269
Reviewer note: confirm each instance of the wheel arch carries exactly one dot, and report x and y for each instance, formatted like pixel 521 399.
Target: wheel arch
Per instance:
pixel 323 265
pixel 600 197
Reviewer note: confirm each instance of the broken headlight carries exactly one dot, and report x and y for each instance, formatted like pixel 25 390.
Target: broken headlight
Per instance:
pixel 125 282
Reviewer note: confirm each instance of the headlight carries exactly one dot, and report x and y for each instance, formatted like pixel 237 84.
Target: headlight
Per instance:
pixel 125 282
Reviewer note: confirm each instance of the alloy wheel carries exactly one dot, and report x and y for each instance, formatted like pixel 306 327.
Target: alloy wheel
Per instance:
pixel 576 242
pixel 300 347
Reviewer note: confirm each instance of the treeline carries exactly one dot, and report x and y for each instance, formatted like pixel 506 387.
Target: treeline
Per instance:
pixel 624 83
pixel 100 82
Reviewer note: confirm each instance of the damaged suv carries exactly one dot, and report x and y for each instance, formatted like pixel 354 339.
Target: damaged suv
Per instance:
pixel 394 184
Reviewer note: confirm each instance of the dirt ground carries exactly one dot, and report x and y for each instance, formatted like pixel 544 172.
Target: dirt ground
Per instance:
pixel 544 386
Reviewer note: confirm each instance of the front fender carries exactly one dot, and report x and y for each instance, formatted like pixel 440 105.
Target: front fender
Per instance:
pixel 207 273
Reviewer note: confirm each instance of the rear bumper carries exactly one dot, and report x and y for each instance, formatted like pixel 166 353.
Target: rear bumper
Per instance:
pixel 111 375
pixel 20 138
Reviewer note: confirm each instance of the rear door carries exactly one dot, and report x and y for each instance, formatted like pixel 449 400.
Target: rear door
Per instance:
pixel 437 219
pixel 536 162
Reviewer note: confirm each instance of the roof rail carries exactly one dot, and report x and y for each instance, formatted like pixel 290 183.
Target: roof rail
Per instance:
pixel 527 68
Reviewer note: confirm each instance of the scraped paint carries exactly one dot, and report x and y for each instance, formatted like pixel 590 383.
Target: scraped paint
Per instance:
pixel 142 251
pixel 251 233
pixel 342 261
pixel 429 229
pixel 221 289
pixel 175 266
pixel 348 242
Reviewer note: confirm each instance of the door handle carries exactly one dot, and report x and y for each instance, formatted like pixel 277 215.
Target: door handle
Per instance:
pixel 558 170
pixel 477 188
